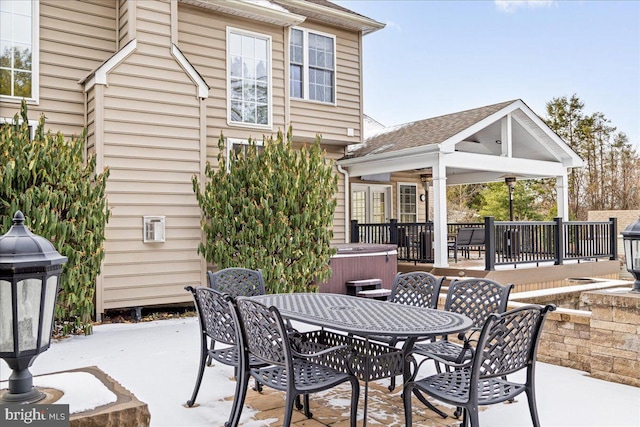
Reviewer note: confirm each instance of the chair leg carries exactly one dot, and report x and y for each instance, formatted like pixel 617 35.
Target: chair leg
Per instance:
pixel 472 414
pixel 242 383
pixel 428 404
pixel 203 358
pixel 406 397
pixel 288 409
pixel 355 396
pixel 533 407
pixel 307 408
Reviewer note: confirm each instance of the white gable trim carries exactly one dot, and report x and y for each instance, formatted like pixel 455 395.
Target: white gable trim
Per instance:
pixel 99 76
pixel 203 87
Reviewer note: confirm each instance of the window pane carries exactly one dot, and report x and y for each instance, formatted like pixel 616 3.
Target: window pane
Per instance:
pixel 236 89
pixel 22 57
pixel 248 68
pixel 22 29
pixel 236 111
pixel 249 112
pixel 295 81
pixel 261 70
pixel 21 7
pixel 263 115
pixel 261 92
pixel 5 26
pixel 248 47
pixel 261 49
pixel 359 206
pixel 5 82
pixel 5 52
pixel 408 206
pixel 235 42
pixel 22 84
pixel 236 66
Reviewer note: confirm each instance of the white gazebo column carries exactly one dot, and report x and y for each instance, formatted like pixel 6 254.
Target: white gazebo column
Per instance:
pixel 562 196
pixel 440 214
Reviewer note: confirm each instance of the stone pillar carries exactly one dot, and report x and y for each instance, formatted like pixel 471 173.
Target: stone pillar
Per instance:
pixel 615 335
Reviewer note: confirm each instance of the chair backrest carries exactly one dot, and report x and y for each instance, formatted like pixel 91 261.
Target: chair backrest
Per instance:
pixel 464 236
pixel 477 298
pixel 477 237
pixel 263 332
pixel 216 319
pixel 417 288
pixel 508 342
pixel 237 281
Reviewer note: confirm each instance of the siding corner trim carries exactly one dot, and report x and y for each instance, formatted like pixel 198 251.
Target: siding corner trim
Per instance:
pixel 203 87
pixel 99 75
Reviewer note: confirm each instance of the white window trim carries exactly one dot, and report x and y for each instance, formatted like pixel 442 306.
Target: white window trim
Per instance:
pixel 32 125
pixel 230 142
pixel 268 38
pixel 35 60
pixel 399 198
pixel 305 65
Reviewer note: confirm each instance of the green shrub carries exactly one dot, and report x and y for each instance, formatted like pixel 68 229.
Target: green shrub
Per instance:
pixel 63 200
pixel 272 209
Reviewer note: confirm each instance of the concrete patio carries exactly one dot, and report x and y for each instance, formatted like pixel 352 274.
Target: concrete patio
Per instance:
pixel 157 361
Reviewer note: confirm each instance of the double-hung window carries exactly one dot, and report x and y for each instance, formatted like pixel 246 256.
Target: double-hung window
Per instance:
pixel 19 49
pixel 312 66
pixel 407 194
pixel 237 147
pixel 249 78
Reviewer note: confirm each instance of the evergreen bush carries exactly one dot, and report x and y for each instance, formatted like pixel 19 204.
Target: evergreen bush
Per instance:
pixel 62 198
pixel 270 208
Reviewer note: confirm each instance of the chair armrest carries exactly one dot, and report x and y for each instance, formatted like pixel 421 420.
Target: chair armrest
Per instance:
pixel 335 349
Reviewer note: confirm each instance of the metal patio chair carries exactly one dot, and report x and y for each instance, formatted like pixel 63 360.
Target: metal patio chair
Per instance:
pixel 476 299
pixel 264 335
pixel 217 324
pixel 236 281
pixel 419 289
pixel 507 344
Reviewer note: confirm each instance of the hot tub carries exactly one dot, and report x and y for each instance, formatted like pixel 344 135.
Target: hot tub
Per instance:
pixel 357 261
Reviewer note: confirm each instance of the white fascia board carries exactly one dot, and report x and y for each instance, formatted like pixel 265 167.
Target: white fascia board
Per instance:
pixel 576 161
pixel 99 76
pixel 256 11
pixel 203 87
pixel 448 145
pixel 376 165
pixel 504 165
pixel 364 24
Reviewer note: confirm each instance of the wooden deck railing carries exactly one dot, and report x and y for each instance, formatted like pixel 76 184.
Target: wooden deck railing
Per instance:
pixel 506 242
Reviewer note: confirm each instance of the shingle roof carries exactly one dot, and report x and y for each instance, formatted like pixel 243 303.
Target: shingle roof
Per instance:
pixel 425 132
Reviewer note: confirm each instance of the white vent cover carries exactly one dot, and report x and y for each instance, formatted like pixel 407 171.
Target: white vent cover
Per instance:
pixel 153 229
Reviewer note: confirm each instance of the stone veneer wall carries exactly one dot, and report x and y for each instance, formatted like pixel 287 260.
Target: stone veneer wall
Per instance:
pixel 604 342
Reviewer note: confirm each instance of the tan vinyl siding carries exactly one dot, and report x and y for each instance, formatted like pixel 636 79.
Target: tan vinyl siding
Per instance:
pixel 75 38
pixel 309 117
pixel 123 24
pixel 152 148
pixel 202 39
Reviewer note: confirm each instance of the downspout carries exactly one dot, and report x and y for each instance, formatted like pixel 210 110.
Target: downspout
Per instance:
pixel 347 197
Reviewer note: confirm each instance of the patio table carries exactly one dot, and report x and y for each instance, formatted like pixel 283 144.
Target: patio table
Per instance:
pixel 367 317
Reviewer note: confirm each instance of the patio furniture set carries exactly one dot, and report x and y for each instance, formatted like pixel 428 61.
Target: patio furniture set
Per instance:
pixel 359 340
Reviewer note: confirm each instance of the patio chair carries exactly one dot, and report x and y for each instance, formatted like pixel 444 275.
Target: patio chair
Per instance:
pixel 264 336
pixel 217 325
pixel 418 288
pixel 476 299
pixel 507 344
pixel 236 281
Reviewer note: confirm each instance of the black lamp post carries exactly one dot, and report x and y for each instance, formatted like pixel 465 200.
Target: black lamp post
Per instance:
pixel 631 238
pixel 30 270
pixel 511 183
pixel 426 179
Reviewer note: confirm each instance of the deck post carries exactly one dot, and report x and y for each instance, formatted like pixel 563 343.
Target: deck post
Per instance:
pixel 558 240
pixel 393 231
pixel 613 238
pixel 355 235
pixel 489 243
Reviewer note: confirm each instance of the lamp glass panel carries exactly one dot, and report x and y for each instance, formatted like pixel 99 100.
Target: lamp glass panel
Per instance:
pixel 49 305
pixel 6 317
pixel 635 254
pixel 29 293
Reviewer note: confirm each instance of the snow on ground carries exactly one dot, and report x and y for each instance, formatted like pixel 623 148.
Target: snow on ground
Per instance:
pixel 158 361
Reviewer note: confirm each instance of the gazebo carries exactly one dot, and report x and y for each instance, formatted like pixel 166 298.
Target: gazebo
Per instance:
pixel 494 143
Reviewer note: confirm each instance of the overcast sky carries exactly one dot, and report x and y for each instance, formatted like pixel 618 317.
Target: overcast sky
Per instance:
pixel 439 57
